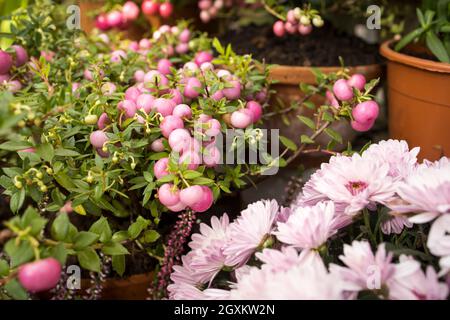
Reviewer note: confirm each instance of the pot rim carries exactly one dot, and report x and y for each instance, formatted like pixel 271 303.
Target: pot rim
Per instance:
pixel 323 68
pixel 419 63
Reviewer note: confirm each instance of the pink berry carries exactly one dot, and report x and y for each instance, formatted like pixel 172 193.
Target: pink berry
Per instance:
pixel 217 96
pixel 118 55
pixel 14 86
pixel 4 78
pixel 103 121
pixel 222 73
pixel 192 195
pixel 211 156
pixel 204 4
pixel 190 66
pixel 291 17
pixel 160 168
pixel 192 88
pixel 366 112
pixel 185 36
pixel 156 78
pixel 291 28
pixel 133 46
pixel 169 124
pixel 361 127
pixel 342 90
pixel 205 16
pixel 150 7
pixel 179 139
pixel 168 194
pixel 139 75
pixel 101 22
pixel 191 159
pixel 21 55
pixel 206 202
pixel 129 107
pixel 357 81
pixel 48 55
pixel 176 96
pixel 182 48
pixel 164 66
pixel 278 28
pixel 213 128
pixel 233 90
pixel 145 102
pixel 114 18
pixel 98 139
pixel 180 206
pixel 183 111
pixel 164 106
pixel 132 93
pixel 205 66
pixel 261 96
pixel 165 9
pixel 256 110
pixel 41 275
pixel 305 30
pixel 157 145
pixel 331 99
pixel 241 119
pixel 6 62
pixel 202 57
pixel 145 44
pixel 130 10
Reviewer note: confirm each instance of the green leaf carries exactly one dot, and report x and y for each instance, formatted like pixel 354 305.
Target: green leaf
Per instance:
pixel 151 236
pixel 102 228
pixel 136 228
pixel 216 44
pixel 305 139
pixel 118 264
pixel 288 143
pixel 65 181
pixel 19 254
pixel 60 227
pixel 307 121
pixel 84 239
pixel 333 135
pixel 408 39
pixel 437 47
pixel 59 252
pixel 17 200
pixel 191 174
pixel 114 248
pixel 45 151
pixel 166 178
pixel 32 218
pixel 15 145
pixel 15 290
pixel 309 105
pixel 66 153
pixel 120 236
pixel 4 268
pixel 89 259
pixel 202 181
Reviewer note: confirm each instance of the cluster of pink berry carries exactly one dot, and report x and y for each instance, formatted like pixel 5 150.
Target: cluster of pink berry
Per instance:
pixel 153 8
pixel 298 21
pixel 210 8
pixel 189 134
pixel 351 91
pixel 118 18
pixel 17 58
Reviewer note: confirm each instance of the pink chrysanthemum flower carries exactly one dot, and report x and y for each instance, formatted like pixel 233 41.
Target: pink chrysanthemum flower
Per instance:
pixel 411 283
pixel 356 182
pixel 395 225
pixel 280 260
pixel 425 192
pixel 249 232
pixel 308 227
pixel 363 270
pixel 439 242
pixel 396 153
pixel 207 248
pixel 308 280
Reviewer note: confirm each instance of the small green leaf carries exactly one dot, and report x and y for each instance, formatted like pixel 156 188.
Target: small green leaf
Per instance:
pixel 114 248
pixel 15 145
pixel 66 153
pixel 4 268
pixel 45 151
pixel 15 290
pixel 333 135
pixel 84 239
pixel 60 227
pixel 59 252
pixel 202 181
pixel 118 264
pixel 151 236
pixel 17 200
pixel 437 47
pixel 305 139
pixel 102 228
pixel 288 143
pixel 307 121
pixel 191 174
pixel 136 228
pixel 89 259
pixel 19 254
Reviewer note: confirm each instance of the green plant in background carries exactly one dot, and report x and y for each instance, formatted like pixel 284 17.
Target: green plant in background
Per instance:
pixel 434 29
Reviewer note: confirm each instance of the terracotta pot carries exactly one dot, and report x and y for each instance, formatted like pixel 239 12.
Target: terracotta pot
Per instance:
pixel 287 90
pixel 86 10
pixel 130 288
pixel 419 102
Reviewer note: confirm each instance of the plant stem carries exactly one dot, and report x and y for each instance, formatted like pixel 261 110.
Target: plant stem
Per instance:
pixel 272 12
pixel 368 227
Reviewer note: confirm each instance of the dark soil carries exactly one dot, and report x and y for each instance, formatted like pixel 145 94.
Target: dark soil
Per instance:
pixel 322 47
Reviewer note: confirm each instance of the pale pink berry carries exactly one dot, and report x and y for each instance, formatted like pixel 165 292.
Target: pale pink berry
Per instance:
pixel 103 121
pixel 130 10
pixel 182 48
pixel 305 29
pixel 278 28
pixel 331 99
pixel 342 90
pixel 291 28
pixel 190 66
pixel 206 202
pixel 256 110
pixel 6 62
pixel 213 128
pixel 41 275
pixel 160 169
pixel 157 145
pixel 139 75
pixel 21 56
pixel 241 119
pixel 145 102
pixel 179 139
pixel 145 44
pixel 222 73
pixel 164 106
pixel 180 206
pixel 211 156
pixel 169 124
pixel 185 36
pixel 202 57
pixel 192 195
pixel 361 127
pixel 205 66
pixel 357 81
pixel 192 88
pixel 176 96
pixel 108 88
pixel 114 18
pixel 98 139
pixel 164 66
pixel 191 159
pixel 129 107
pixel 118 55
pixel 182 111
pixel 366 112
pixel 168 194
pixel 233 90
pixel 132 93
pixel 217 96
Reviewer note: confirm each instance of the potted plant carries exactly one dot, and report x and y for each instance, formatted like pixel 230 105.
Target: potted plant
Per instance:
pixel 418 78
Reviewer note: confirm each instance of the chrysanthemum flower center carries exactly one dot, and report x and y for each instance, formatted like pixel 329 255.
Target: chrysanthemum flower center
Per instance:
pixel 356 187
